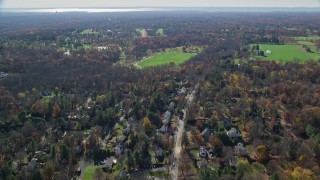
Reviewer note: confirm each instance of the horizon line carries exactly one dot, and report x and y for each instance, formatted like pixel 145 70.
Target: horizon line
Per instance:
pixel 129 7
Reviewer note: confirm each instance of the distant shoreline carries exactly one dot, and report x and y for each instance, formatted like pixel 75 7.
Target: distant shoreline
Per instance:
pixel 150 9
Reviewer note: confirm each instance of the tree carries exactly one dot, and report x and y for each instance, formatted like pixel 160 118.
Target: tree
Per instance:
pixel 275 176
pixel 64 152
pixel 37 175
pixel 55 110
pixel 130 160
pixel 300 173
pixel 146 124
pixel 48 171
pixel 243 168
pixel 208 174
pixel 311 131
pixel 262 154
pixel 98 174
pixel 154 118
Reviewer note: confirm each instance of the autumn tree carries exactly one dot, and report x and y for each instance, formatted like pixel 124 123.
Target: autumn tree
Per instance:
pixel 262 154
pixel 146 124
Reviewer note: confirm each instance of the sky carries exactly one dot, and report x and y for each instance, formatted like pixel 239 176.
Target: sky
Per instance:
pixel 155 3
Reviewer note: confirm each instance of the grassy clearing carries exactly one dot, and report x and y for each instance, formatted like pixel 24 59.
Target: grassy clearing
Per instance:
pixel 285 53
pixel 89 32
pixel 166 58
pixel 89 172
pixel 160 32
pixel 142 32
pixel 306 38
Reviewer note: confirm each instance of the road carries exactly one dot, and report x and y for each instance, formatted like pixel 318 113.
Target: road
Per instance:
pixel 178 137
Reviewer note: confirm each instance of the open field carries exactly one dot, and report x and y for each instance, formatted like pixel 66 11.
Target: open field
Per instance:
pixel 160 32
pixel 286 53
pixel 88 31
pixel 142 32
pixel 166 58
pixel 306 38
pixel 89 172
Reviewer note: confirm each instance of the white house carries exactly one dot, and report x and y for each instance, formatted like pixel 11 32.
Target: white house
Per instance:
pixel 100 48
pixel 67 53
pixel 182 91
pixel 233 133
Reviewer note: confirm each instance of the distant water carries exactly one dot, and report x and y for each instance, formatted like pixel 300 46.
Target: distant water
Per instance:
pixel 89 10
pixel 202 9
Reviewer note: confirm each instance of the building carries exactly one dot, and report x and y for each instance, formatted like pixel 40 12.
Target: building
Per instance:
pixel 67 53
pixel 171 106
pixel 205 133
pixel 163 129
pixel 182 91
pixel 240 150
pixel 268 52
pixel 167 117
pixel 101 48
pixel 3 75
pixel 233 133
pixel 108 163
pixel 119 149
pixel 202 152
pixel 159 152
pixel 202 163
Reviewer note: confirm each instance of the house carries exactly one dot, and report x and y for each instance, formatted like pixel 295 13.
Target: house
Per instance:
pixel 46 93
pixel 32 164
pixel 163 129
pixel 240 150
pixel 159 152
pixel 100 48
pixel 212 152
pixel 167 117
pixel 108 163
pixel 3 75
pixel 171 106
pixel 202 163
pixel 226 123
pixel 232 162
pixel 119 149
pixel 67 53
pixel 182 91
pixel 233 133
pixel 205 133
pixel 202 152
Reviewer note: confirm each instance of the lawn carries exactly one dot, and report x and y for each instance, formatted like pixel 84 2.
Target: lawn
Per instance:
pixel 89 32
pixel 160 32
pixel 166 58
pixel 306 38
pixel 286 53
pixel 89 172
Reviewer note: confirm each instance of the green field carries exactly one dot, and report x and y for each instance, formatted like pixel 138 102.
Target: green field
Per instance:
pixel 286 53
pixel 160 32
pixel 166 58
pixel 89 32
pixel 89 172
pixel 306 38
